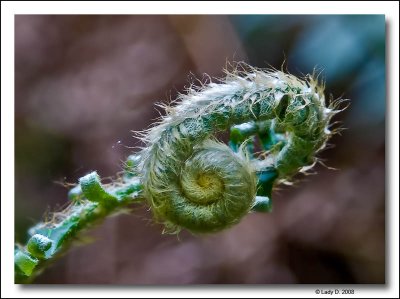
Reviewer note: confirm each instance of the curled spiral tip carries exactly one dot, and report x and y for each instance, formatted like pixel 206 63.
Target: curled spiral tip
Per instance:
pixel 213 189
pixel 192 181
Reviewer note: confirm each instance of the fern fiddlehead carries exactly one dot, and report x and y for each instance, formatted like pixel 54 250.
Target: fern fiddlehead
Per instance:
pixel 189 178
pixel 200 184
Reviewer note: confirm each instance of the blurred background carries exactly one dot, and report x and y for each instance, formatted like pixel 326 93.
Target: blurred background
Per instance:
pixel 82 83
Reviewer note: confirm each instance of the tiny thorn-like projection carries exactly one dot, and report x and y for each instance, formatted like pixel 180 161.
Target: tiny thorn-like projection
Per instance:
pixel 190 179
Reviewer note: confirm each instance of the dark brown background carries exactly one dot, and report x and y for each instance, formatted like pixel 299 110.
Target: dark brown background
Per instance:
pixel 84 82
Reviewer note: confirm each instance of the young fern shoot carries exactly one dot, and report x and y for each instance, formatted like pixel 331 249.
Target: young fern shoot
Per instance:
pixel 190 179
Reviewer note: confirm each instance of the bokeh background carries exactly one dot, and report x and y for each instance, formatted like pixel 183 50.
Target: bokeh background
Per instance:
pixel 82 83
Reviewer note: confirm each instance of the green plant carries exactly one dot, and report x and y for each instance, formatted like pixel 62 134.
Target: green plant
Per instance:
pixel 190 179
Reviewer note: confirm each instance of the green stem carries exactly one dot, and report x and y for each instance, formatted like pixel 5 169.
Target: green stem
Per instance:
pixel 91 203
pixel 268 140
pixel 192 181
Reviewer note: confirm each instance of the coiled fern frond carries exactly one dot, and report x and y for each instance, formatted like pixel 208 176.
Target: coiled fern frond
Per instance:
pixel 277 124
pixel 195 182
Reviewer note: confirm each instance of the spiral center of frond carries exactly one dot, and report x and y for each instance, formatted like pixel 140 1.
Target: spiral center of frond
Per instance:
pixel 203 189
pixel 208 181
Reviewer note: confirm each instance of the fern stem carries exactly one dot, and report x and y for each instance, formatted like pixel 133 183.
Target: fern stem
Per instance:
pixel 91 202
pixel 190 179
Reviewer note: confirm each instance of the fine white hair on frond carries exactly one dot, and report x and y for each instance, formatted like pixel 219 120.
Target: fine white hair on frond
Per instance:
pixel 295 106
